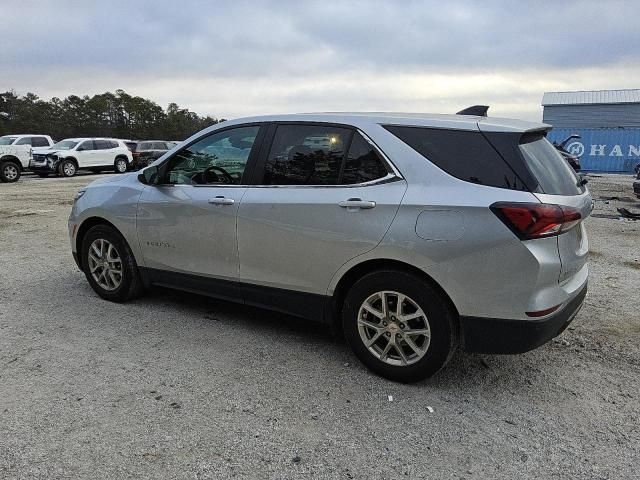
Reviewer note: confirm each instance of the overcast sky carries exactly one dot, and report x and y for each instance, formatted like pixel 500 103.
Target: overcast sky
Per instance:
pixel 236 58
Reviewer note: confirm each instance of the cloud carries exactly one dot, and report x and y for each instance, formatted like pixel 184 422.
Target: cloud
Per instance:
pixel 231 58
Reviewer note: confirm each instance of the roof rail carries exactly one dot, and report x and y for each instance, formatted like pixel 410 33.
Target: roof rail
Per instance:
pixel 476 111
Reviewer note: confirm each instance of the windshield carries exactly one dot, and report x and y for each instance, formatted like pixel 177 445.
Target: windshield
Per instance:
pixel 7 140
pixel 65 145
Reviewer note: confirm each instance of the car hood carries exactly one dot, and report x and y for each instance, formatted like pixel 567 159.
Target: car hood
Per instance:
pixel 123 178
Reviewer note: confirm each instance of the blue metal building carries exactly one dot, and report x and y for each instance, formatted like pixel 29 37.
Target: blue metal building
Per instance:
pixel 608 122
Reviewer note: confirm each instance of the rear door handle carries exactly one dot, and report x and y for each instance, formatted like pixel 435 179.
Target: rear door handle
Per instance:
pixel 220 200
pixel 357 203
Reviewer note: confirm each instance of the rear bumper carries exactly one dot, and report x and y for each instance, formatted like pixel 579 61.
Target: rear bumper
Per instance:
pixel 498 335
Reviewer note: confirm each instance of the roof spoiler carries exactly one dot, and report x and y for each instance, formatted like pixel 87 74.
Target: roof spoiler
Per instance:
pixel 476 111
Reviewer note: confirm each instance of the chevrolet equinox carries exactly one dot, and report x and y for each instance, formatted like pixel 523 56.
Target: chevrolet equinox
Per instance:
pixel 416 234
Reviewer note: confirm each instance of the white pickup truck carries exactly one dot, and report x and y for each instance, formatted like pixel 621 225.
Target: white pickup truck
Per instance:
pixel 16 152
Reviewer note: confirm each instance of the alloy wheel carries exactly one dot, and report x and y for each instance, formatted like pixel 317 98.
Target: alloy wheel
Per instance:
pixel 10 172
pixel 121 166
pixel 69 169
pixel 105 264
pixel 394 328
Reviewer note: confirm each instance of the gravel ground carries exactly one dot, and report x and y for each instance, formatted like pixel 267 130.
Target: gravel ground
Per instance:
pixel 179 386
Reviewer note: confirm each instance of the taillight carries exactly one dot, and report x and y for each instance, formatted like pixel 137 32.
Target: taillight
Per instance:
pixel 536 220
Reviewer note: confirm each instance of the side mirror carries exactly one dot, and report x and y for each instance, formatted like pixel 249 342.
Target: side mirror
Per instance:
pixel 149 176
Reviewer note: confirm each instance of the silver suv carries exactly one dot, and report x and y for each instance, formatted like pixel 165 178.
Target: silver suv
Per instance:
pixel 414 233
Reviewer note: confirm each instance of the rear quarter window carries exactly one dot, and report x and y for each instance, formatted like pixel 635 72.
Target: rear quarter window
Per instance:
pixel 464 154
pixel 553 173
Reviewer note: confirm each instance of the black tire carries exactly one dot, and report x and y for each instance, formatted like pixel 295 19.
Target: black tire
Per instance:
pixel 43 174
pixel 131 285
pixel 65 169
pixel 10 171
pixel 121 165
pixel 441 318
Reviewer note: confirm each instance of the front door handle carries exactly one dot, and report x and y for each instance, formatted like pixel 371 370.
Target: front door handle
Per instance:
pixel 220 200
pixel 357 203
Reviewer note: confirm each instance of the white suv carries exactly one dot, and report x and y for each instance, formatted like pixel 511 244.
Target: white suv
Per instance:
pixel 68 156
pixel 15 153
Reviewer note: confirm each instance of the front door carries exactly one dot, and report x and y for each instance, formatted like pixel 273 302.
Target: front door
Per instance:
pixel 187 223
pixel 326 196
pixel 86 154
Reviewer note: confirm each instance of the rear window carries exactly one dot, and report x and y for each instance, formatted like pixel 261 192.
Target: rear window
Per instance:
pixel 553 172
pixel 464 154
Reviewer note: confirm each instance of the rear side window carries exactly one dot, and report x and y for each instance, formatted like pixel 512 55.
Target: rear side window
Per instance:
pixel 464 154
pixel 143 146
pixel 362 163
pixel 306 155
pixel 100 144
pixel 553 173
pixel 39 142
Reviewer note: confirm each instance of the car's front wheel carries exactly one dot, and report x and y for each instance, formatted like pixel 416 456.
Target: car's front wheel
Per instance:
pixel 67 168
pixel 109 264
pixel 399 325
pixel 9 172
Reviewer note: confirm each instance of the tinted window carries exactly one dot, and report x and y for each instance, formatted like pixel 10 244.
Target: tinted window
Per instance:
pixel 218 158
pixel 24 141
pixel 39 142
pixel 466 155
pixel 553 173
pixel 159 146
pixel 131 146
pixel 101 144
pixel 143 146
pixel 363 163
pixel 306 155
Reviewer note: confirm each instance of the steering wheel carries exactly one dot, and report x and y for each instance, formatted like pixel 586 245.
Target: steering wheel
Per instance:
pixel 225 174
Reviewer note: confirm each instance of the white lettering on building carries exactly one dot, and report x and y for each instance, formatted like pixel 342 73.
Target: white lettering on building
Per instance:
pixel 633 150
pixel 597 150
pixel 616 151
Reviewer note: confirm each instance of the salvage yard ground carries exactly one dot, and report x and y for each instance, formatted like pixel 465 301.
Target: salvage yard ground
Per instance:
pixel 178 386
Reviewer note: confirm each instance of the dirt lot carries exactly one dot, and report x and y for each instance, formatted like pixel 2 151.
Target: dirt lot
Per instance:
pixel 178 386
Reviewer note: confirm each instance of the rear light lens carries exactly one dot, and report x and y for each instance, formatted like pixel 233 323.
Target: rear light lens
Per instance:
pixel 536 220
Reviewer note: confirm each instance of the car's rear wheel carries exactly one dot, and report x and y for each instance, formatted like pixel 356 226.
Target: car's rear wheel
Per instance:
pixel 67 168
pixel 9 172
pixel 109 264
pixel 399 325
pixel 121 165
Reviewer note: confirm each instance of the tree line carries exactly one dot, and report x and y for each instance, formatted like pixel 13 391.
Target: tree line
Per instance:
pixel 117 115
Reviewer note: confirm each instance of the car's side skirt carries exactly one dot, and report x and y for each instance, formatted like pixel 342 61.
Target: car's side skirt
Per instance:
pixel 300 304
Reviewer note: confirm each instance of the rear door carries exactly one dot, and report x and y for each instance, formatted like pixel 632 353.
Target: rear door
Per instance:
pixel 323 195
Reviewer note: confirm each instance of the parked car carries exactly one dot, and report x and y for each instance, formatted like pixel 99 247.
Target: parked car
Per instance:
pixel 415 234
pixel 72 154
pixel 16 153
pixel 14 159
pixel 145 152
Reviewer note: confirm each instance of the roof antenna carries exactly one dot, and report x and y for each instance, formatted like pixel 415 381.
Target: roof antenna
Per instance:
pixel 476 111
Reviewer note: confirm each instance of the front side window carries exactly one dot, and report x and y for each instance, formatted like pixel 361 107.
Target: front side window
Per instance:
pixel 220 158
pixel 24 141
pixel 86 145
pixel 7 140
pixel 65 145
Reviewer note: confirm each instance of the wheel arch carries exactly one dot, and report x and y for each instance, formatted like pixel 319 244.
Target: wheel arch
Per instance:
pixel 12 159
pixel 85 226
pixel 351 276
